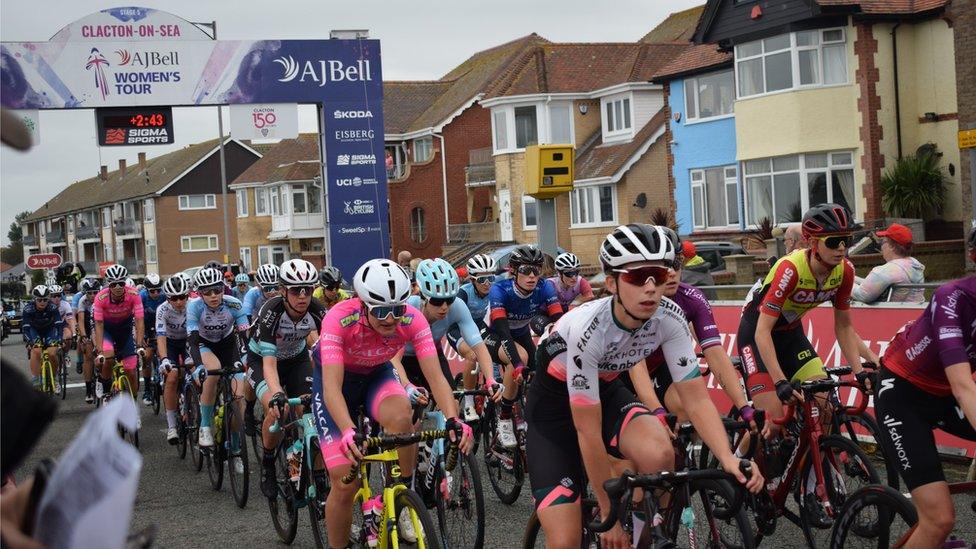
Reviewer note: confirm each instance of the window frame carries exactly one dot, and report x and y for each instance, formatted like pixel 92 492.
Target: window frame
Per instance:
pixel 240 197
pixel 804 172
pixel 692 83
pixel 575 212
pixel 421 227
pixel 701 186
pixel 187 238
pixel 529 201
pixel 607 104
pixel 259 211
pixel 794 50
pixel 106 217
pixel 423 143
pixel 151 252
pixel 209 200
pixel 245 255
pixel 148 210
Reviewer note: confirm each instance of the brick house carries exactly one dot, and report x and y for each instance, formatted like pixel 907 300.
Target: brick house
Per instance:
pixel 961 15
pixel 160 215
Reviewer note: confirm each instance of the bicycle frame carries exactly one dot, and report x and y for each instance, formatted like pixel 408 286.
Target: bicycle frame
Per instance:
pixel 308 438
pixel 47 369
pixel 388 537
pixel 118 374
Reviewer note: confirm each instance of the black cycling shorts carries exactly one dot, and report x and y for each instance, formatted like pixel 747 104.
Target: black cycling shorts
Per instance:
pixel 294 374
pixel 176 350
pixel 660 377
pixel 797 358
pixel 226 350
pixel 416 376
pixel 494 344
pixel 556 470
pixel 906 417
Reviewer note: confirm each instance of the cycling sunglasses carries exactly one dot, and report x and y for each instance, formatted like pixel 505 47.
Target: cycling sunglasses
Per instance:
pixel 438 301
pixel 487 279
pixel 177 298
pixel 155 291
pixel 529 270
pixel 570 274
pixel 639 276
pixel 384 312
pixel 41 299
pixel 300 291
pixel 213 290
pixel 56 295
pixel 116 284
pixel 677 264
pixel 331 287
pixel 834 242
pixel 268 289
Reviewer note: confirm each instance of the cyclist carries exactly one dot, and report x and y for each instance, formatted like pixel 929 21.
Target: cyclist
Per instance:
pixel 698 312
pixel 83 285
pixel 277 353
pixel 568 283
pixel 117 309
pixel 67 314
pixel 212 323
pixel 171 344
pixel 514 302
pixel 41 322
pixel 86 328
pixel 439 285
pixel 579 412
pixel 329 291
pixel 474 294
pixel 267 287
pixel 926 382
pixel 352 369
pixel 774 349
pixel 152 298
pixel 242 284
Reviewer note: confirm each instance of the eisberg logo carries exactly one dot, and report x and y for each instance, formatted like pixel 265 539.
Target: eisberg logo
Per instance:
pixel 352 114
pixel 322 71
pixel 347 136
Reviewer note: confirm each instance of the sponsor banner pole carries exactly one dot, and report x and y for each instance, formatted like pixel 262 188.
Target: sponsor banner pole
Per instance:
pixel 223 171
pixel 324 174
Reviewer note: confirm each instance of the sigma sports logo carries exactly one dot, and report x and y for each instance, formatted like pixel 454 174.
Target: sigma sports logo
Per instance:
pixel 917 349
pixel 813 296
pixel 784 281
pixel 355 181
pixel 356 160
pixel 322 71
pixel 338 115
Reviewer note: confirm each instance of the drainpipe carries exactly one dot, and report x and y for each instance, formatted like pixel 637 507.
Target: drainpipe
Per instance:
pixel 894 55
pixel 447 223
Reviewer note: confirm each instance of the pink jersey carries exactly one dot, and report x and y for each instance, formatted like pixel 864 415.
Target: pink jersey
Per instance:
pixel 109 312
pixel 347 339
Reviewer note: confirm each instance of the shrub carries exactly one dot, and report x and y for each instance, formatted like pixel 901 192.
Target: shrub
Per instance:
pixel 914 187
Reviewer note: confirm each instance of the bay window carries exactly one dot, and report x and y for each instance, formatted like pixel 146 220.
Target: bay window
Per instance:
pixel 560 124
pixel 709 95
pixel 526 127
pixel 501 130
pixel 784 187
pixel 800 59
pixel 593 206
pixel 714 197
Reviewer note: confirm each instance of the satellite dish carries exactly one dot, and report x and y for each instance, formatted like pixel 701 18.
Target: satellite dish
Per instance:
pixel 641 201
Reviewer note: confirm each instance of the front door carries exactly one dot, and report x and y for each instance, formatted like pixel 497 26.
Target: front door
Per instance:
pixel 505 214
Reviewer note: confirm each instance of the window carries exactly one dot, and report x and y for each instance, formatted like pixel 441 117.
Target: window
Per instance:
pixel 299 202
pixel 784 187
pixel 526 127
pixel 418 225
pixel 107 249
pixel 241 195
pixel 149 208
pixel 796 60
pixel 423 149
pixel 106 218
pixel 198 201
pixel 246 258
pixel 130 210
pixel 714 197
pixel 261 202
pixel 529 213
pixel 501 130
pixel 593 206
pixel 199 243
pixel 150 251
pixel 314 197
pixel 560 124
pixel 617 115
pixel 272 254
pixel 709 95
pixel 275 200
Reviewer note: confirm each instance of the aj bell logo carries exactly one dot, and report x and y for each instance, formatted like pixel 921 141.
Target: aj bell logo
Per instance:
pixel 322 71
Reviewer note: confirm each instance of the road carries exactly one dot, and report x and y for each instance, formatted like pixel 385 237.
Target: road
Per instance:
pixel 190 514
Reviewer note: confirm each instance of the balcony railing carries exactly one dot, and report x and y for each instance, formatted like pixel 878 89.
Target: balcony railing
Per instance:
pixel 91 267
pixel 88 233
pixel 29 240
pixel 55 236
pixel 481 168
pixel 473 232
pixel 397 171
pixel 128 227
pixel 133 265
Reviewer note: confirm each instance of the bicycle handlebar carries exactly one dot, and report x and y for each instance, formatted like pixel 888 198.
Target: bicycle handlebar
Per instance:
pixel 303 400
pixel 808 388
pixel 388 442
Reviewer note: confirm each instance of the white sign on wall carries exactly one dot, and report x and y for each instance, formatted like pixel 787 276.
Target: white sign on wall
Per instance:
pixel 264 121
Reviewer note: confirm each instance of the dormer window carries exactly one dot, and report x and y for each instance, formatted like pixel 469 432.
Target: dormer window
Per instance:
pixel 617 115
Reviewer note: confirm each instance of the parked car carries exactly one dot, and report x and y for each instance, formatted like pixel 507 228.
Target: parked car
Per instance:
pixel 714 253
pixel 13 313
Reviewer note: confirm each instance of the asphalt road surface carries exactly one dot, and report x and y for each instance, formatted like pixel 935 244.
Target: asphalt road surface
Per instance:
pixel 188 513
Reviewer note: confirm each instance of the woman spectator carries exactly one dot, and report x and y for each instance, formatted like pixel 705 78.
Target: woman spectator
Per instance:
pixel 899 268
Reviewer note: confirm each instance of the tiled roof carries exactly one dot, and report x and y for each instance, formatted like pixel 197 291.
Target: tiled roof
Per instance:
pixel 404 102
pixel 694 59
pixel 287 151
pixel 599 160
pixel 885 7
pixel 295 171
pixel 576 68
pixel 677 27
pixel 160 172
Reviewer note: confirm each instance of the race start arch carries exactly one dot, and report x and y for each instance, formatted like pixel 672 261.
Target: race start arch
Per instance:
pixel 134 57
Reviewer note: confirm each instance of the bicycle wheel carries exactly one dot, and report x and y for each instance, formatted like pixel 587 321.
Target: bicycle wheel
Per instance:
pixel 126 389
pixel 63 377
pixel 192 423
pixel 257 443
pixel 424 526
pixel 846 469
pixel 874 516
pixel 503 465
pixel 873 449
pixel 461 504
pixel 283 508
pixel 235 442
pixel 715 523
pixel 156 391
pixel 215 457
pixel 320 481
pixel 47 371
pixel 181 429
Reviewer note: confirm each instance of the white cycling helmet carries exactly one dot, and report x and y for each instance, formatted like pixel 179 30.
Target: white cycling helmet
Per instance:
pixel 152 281
pixel 116 273
pixel 381 282
pixel 567 261
pixel 482 264
pixel 436 278
pixel 130 283
pixel 297 272
pixel 267 274
pixel 55 290
pixel 176 285
pixel 41 291
pixel 633 243
pixel 207 277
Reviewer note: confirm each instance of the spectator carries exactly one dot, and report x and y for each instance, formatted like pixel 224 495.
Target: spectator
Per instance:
pixel 404 258
pixel 899 268
pixel 793 238
pixel 696 269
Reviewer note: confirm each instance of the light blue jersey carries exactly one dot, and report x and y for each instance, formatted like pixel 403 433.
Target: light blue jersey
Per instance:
pixel 457 314
pixel 215 324
pixel 253 300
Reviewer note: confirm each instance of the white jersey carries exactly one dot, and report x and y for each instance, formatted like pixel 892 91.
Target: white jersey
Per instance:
pixel 588 345
pixel 64 307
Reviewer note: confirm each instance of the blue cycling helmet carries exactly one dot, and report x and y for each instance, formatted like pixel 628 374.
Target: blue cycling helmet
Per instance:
pixel 437 279
pixel 242 279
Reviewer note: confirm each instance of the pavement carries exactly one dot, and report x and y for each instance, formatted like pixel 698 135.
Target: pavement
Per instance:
pixel 189 514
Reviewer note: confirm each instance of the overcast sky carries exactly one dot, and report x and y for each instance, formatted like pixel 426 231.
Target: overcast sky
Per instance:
pixel 420 39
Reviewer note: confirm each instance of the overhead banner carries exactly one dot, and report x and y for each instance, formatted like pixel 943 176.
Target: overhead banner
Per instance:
pixel 264 121
pixel 129 24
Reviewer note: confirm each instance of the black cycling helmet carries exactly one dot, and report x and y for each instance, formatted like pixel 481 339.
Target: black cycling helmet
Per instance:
pixel 330 276
pixel 526 255
pixel 827 219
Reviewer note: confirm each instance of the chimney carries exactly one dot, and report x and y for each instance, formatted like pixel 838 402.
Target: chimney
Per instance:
pixel 121 168
pixel 104 175
pixel 142 161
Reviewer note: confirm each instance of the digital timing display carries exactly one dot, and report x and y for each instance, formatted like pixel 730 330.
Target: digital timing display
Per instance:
pixel 135 126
